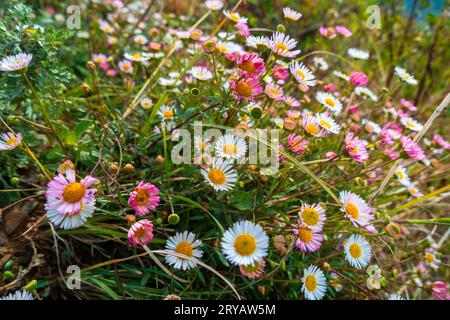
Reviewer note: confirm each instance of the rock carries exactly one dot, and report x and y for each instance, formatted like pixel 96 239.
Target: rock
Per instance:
pixel 12 219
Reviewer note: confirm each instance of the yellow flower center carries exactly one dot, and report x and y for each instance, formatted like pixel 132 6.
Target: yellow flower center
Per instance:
pixel 405 76
pixel 184 248
pixel 243 89
pixel 352 210
pixel 222 49
pixel 312 129
pixel 245 244
pixel 430 257
pixel 412 190
pixel 11 141
pixel 325 124
pixel 330 102
pixel 137 56
pixel 310 216
pixel 141 197
pixel 305 235
pixel 248 66
pixel 168 114
pixel 410 124
pixel 400 174
pixel 217 176
pixel 301 74
pixel 355 250
pixel 230 149
pixel 139 232
pixel 234 17
pixel 74 192
pixel 281 47
pixel 311 283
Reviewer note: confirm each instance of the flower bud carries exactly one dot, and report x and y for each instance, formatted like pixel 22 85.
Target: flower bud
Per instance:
pixel 31 286
pixel 14 180
pixel 209 46
pixel 159 159
pixel 281 28
pixel 128 167
pixel 90 65
pixel 173 219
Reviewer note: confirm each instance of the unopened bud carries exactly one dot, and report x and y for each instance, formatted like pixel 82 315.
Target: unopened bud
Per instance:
pixel 131 218
pixel 173 219
pixel 160 159
pixel 128 167
pixel 90 65
pixel 31 286
pixel 281 28
pixel 209 46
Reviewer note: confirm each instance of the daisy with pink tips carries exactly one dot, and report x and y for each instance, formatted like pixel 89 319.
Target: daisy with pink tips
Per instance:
pixel 9 141
pixel 250 64
pixel 355 208
pixel 308 239
pixel 283 45
pixel 297 143
pixel 141 232
pixel 312 126
pixel 246 88
pixel 356 148
pixel 144 198
pixel 253 271
pixel 343 31
pixel 274 91
pixel 412 149
pixel 70 203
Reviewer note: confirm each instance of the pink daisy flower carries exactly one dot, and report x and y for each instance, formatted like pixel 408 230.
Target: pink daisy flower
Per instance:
pixel 355 208
pixel 67 195
pixel 343 31
pixel 356 148
pixel 308 240
pixel 408 105
pixel 280 73
pixel 141 232
pixel 311 125
pixel 358 79
pixel 441 141
pixel 243 29
pixel 246 88
pixel 439 290
pixel 253 271
pixel 328 32
pixel 144 198
pixel 250 64
pixel 297 143
pixel 412 149
pixel 274 91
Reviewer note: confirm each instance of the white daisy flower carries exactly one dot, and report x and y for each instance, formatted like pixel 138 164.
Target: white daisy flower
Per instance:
pixel 402 176
pixel 411 124
pixel 291 14
pixel 278 122
pixel 226 36
pixel 355 208
pixel 17 62
pixel 335 282
pixel 220 175
pixel 358 54
pixel 166 113
pixel 18 295
pixel 414 191
pixel 146 103
pixel 405 76
pixel 375 126
pixel 314 283
pixel 201 145
pixel 255 41
pixel 235 17
pixel 302 74
pixel 201 73
pixel 66 221
pixel 245 243
pixel 228 47
pixel 140 39
pixel 137 56
pixel 357 251
pixel 394 296
pixel 313 216
pixel 230 147
pixel 366 93
pixel 105 26
pixel 328 123
pixel 431 260
pixel 168 82
pixel 214 4
pixel 9 141
pixel 183 243
pixel 282 45
pixel 329 101
pixel 320 63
